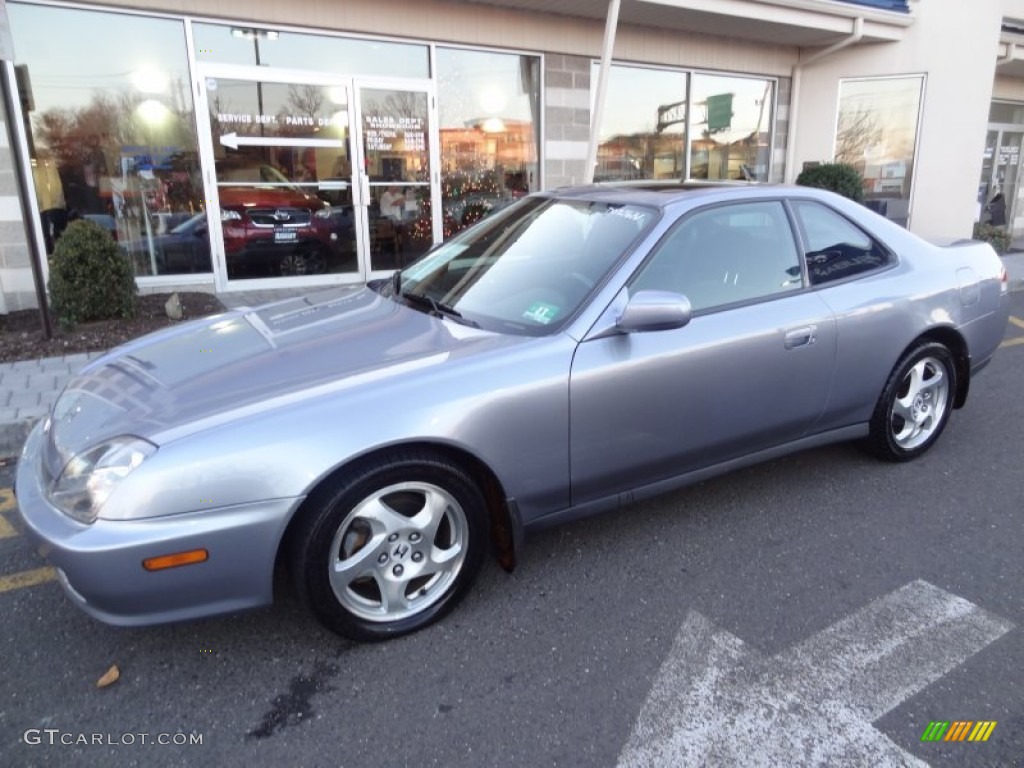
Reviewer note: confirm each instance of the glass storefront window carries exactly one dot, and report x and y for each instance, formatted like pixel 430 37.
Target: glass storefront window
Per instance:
pixel 111 128
pixel 730 128
pixel 293 50
pixel 489 105
pixel 644 125
pixel 284 173
pixel 877 134
pixel 396 149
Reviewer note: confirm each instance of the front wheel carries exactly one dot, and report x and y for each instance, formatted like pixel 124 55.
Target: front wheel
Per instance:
pixel 308 261
pixel 390 549
pixel 915 404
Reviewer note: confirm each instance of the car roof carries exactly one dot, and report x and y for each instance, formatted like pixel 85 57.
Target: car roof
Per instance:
pixel 660 194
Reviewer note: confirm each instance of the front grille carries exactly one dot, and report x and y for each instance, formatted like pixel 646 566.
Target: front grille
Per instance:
pixel 279 217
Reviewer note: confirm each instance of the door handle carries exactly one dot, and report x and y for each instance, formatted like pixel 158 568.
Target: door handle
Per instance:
pixel 801 337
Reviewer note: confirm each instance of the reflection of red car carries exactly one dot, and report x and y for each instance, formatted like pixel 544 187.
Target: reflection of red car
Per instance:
pixel 281 229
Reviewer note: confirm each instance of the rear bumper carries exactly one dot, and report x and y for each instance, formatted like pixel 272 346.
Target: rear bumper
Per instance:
pixel 100 565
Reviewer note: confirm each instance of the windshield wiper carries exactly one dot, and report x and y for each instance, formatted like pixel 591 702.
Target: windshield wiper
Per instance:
pixel 437 308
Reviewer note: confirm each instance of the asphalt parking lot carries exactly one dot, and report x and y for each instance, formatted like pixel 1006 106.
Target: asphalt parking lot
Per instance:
pixel 823 609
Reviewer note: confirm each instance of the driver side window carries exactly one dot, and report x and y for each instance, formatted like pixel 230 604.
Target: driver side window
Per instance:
pixel 725 255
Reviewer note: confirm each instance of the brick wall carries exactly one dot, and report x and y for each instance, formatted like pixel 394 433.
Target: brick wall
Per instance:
pixel 16 288
pixel 778 173
pixel 566 118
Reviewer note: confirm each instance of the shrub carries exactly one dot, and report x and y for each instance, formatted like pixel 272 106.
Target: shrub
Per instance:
pixel 997 237
pixel 90 277
pixel 840 178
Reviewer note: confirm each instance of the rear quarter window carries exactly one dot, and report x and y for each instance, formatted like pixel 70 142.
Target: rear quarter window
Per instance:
pixel 836 248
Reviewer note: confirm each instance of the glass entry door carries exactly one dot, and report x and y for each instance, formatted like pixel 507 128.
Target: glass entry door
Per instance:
pixel 282 177
pixel 398 178
pixel 999 175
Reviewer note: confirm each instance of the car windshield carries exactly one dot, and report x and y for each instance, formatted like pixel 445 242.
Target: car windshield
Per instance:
pixel 527 269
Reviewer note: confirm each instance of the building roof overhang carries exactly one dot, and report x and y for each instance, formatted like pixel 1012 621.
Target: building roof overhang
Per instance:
pixel 1010 61
pixel 800 23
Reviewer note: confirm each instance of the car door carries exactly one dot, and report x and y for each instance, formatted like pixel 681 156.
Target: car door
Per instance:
pixel 752 369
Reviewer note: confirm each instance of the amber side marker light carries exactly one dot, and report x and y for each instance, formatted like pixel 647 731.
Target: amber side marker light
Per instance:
pixel 177 559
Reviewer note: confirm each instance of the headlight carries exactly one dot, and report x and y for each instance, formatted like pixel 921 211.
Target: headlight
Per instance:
pixel 90 477
pixel 323 213
pixel 228 215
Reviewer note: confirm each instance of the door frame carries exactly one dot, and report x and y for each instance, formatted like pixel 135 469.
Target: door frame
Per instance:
pixel 363 195
pixel 1001 129
pixel 359 182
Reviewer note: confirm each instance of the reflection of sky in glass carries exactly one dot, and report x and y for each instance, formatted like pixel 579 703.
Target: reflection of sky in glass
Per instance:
pixel 634 95
pixel 751 104
pixel 280 100
pixel 477 85
pixel 312 52
pixel 72 54
pixel 886 111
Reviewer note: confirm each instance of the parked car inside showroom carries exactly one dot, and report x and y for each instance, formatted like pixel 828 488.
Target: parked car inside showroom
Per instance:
pixel 578 351
pixel 271 226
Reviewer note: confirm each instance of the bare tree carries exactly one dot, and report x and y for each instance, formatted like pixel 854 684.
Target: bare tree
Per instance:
pixel 858 130
pixel 307 100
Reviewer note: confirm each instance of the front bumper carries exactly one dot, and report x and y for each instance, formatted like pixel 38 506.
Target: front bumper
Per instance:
pixel 100 565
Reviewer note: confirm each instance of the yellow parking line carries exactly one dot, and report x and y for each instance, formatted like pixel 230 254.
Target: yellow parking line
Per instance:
pixel 6 503
pixel 27 579
pixel 1012 342
pixel 1017 321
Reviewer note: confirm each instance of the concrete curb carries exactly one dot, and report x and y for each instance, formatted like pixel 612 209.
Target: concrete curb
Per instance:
pixel 28 390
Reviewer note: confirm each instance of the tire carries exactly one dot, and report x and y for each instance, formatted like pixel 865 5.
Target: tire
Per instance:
pixel 915 404
pixel 308 261
pixel 389 546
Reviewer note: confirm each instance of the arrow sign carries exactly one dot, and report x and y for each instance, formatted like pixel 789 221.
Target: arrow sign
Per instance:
pixel 234 141
pixel 718 702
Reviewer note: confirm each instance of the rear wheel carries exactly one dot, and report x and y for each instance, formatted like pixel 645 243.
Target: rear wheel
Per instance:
pixel 391 548
pixel 915 404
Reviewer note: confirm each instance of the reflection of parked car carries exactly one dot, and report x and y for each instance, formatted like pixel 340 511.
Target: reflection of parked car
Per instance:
pixel 186 248
pixel 165 222
pixel 105 220
pixel 280 228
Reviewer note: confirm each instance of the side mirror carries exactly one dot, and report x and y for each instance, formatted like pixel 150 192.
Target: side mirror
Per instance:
pixel 654 311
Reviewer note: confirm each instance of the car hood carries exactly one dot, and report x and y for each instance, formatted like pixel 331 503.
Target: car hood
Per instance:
pixel 177 381
pixel 257 196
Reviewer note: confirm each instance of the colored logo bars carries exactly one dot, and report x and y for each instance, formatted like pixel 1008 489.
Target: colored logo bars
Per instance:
pixel 958 730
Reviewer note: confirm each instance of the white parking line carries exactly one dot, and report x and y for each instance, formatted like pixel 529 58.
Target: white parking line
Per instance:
pixel 718 702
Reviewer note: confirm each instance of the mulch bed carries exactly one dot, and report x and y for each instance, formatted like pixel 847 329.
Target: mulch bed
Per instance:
pixel 21 334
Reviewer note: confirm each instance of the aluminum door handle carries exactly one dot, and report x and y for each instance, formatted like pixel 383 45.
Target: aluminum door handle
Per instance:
pixel 801 337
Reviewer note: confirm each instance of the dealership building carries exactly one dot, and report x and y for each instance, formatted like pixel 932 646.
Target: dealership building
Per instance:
pixel 253 144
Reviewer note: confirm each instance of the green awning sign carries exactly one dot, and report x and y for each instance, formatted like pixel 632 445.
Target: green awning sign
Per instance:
pixel 719 112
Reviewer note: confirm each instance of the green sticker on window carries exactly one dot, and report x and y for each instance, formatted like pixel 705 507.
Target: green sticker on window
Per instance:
pixel 541 313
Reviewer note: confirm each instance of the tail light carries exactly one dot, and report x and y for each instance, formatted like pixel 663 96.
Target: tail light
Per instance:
pixel 1004 280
